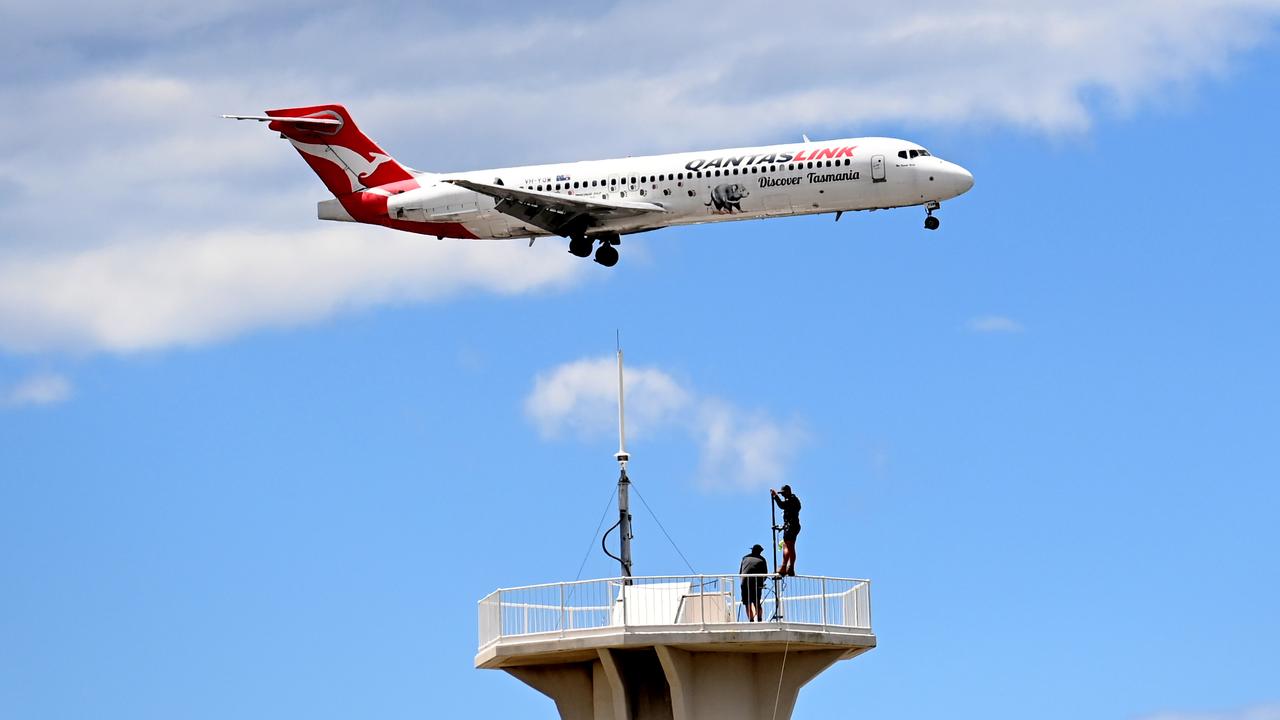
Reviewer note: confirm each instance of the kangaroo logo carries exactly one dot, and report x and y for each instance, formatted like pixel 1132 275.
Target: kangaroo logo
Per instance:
pixel 727 199
pixel 355 165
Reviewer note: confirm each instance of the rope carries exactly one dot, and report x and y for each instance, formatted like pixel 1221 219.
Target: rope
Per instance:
pixel 664 530
pixel 782 672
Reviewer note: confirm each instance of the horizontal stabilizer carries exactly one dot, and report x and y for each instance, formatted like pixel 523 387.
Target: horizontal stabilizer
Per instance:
pixel 346 159
pixel 300 120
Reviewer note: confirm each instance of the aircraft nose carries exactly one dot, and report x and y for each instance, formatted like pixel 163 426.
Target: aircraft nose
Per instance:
pixel 962 179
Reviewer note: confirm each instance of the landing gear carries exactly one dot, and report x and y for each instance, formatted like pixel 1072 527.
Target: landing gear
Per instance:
pixel 581 246
pixel 607 255
pixel 931 222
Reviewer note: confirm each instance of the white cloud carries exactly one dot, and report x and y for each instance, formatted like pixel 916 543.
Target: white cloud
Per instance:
pixel 38 389
pixel 994 324
pixel 147 294
pixel 1256 712
pixel 743 449
pixel 581 397
pixel 740 449
pixel 119 143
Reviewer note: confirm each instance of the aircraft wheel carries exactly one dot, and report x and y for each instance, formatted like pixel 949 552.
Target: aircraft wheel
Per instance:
pixel 931 223
pixel 580 246
pixel 607 255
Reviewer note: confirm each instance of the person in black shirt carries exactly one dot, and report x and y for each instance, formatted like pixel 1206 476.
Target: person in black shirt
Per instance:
pixel 752 587
pixel 790 505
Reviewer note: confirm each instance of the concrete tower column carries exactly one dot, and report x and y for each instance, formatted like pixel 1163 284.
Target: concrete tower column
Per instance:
pixel 735 673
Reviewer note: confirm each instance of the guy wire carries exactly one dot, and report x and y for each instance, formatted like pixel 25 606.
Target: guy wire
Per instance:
pixel 663 529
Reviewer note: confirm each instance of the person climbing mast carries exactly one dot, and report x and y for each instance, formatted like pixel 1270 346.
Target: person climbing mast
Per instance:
pixel 790 506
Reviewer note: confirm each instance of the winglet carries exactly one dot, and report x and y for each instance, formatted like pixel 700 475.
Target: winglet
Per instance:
pixel 806 137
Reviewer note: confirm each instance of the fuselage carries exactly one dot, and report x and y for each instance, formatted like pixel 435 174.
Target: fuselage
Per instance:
pixel 697 187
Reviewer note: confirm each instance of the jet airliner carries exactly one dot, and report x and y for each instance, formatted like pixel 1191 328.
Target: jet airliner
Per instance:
pixel 594 203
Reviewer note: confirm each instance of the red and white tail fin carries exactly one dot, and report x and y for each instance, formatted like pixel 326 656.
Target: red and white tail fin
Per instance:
pixel 326 137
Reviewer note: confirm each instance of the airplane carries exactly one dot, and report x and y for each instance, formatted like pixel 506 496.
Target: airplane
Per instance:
pixel 594 203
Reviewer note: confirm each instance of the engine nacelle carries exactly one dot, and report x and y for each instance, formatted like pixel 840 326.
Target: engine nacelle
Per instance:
pixel 434 202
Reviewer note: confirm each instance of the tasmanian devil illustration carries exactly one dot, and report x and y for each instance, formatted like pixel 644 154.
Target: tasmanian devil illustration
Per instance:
pixel 727 198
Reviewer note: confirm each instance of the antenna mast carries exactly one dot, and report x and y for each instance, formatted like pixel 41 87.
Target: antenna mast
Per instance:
pixel 624 485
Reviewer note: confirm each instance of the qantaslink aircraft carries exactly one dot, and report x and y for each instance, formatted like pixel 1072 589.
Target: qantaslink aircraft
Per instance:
pixel 594 203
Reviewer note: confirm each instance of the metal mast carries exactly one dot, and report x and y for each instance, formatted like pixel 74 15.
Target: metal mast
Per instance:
pixel 624 485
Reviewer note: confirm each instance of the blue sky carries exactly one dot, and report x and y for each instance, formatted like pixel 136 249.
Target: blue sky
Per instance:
pixel 253 465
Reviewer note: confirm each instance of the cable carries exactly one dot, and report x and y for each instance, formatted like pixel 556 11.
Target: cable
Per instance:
pixel 664 530
pixel 599 525
pixel 781 672
pixel 604 541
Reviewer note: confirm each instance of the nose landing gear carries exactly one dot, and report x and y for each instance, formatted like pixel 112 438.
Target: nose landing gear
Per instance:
pixel 931 222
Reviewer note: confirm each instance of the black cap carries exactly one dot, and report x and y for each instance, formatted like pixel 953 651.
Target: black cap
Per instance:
pixel 786 489
pixel 757 548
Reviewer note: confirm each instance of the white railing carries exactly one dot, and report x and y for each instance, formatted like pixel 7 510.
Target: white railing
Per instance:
pixel 701 600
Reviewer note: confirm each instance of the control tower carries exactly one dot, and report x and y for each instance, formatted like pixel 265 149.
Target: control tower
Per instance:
pixel 671 647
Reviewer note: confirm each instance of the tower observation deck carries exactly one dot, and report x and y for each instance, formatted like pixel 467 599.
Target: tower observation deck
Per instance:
pixel 673 647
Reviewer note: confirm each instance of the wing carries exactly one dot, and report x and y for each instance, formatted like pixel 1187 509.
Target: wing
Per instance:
pixel 563 215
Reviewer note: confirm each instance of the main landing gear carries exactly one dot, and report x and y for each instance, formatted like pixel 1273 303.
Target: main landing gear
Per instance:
pixel 580 246
pixel 606 254
pixel 931 222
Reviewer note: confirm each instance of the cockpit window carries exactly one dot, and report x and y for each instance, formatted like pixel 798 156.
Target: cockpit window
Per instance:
pixel 902 154
pixel 924 153
pixel 915 153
